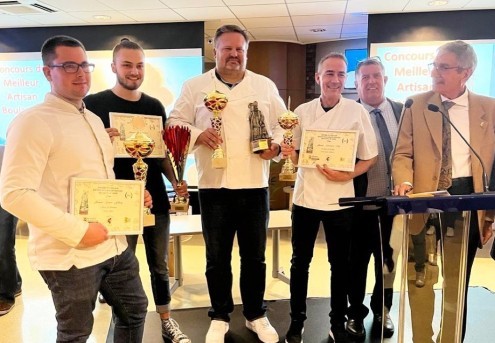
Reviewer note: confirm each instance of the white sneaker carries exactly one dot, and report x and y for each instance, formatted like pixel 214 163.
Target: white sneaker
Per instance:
pixel 450 232
pixel 265 331
pixel 216 332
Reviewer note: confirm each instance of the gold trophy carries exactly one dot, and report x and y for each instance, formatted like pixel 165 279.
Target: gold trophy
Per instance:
pixel 177 139
pixel 288 121
pixel 260 140
pixel 140 145
pixel 216 102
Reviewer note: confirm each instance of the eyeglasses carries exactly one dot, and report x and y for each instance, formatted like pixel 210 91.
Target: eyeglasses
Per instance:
pixel 442 67
pixel 73 67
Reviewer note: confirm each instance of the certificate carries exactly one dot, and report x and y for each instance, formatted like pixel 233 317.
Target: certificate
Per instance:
pixel 117 204
pixel 335 148
pixel 129 123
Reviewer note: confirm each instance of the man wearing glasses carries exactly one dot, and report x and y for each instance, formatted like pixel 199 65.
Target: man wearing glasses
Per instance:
pixel 428 157
pixel 47 145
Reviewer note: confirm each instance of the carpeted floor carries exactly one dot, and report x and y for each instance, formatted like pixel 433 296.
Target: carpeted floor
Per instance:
pixel 195 322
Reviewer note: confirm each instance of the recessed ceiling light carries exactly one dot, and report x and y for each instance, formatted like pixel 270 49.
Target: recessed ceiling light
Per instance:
pixel 438 2
pixel 318 29
pixel 102 17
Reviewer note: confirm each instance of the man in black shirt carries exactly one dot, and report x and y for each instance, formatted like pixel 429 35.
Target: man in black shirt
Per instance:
pixel 125 97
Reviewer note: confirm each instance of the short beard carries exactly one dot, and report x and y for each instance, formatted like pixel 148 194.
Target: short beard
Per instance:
pixel 132 87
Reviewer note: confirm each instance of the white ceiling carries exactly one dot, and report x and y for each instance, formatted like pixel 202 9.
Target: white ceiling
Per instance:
pixel 265 20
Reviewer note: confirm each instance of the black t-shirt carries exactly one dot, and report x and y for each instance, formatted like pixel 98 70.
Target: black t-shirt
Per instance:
pixel 106 101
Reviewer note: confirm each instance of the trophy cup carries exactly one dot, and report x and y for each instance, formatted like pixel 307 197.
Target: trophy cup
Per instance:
pixel 216 102
pixel 177 140
pixel 288 121
pixel 140 145
pixel 260 140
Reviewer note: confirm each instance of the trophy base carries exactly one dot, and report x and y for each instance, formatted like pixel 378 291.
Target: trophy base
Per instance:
pixel 287 176
pixel 148 219
pixel 260 145
pixel 179 206
pixel 219 163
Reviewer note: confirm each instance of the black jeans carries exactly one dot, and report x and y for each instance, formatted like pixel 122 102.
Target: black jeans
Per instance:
pixel 156 241
pixel 305 226
pixel 225 213
pixel 370 233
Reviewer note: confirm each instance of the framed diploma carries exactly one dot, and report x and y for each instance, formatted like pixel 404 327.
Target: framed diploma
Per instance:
pixel 129 123
pixel 117 204
pixel 335 148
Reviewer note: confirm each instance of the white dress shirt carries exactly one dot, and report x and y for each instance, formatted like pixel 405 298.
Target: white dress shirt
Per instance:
pixel 47 145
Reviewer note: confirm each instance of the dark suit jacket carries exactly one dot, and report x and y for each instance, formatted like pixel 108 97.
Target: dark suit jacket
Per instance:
pixel 361 181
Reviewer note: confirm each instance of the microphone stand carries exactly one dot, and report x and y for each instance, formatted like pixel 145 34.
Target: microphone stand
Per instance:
pixel 407 105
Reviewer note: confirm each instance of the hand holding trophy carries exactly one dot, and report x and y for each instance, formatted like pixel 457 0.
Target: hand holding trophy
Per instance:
pixel 288 121
pixel 140 145
pixel 177 139
pixel 216 102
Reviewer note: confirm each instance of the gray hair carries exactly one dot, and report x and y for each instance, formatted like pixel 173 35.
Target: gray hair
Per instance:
pixel 332 55
pixel 464 52
pixel 370 61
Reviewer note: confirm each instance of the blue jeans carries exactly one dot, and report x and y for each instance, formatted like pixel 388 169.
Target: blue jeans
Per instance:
pixel 74 294
pixel 10 279
pixel 156 242
pixel 305 226
pixel 224 213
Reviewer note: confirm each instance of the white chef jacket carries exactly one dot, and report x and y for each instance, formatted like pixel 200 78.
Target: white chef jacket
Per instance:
pixel 244 168
pixel 312 189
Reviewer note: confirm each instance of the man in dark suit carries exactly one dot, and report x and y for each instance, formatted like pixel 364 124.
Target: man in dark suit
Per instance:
pixel 372 226
pixel 429 160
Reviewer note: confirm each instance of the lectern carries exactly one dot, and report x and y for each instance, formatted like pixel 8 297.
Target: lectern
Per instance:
pixel 451 268
pixel 422 318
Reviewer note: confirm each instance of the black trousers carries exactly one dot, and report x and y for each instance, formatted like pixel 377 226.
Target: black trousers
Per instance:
pixel 305 226
pixel 370 234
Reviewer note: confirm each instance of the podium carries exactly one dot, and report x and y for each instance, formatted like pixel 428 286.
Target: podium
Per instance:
pixel 422 318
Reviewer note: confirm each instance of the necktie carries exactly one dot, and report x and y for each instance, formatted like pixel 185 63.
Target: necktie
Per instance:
pixel 445 180
pixel 384 134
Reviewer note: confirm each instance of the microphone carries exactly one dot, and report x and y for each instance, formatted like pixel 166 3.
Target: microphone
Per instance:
pixel 435 108
pixel 407 105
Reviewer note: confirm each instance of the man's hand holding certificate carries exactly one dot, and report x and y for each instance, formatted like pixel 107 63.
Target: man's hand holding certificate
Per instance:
pixel 334 148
